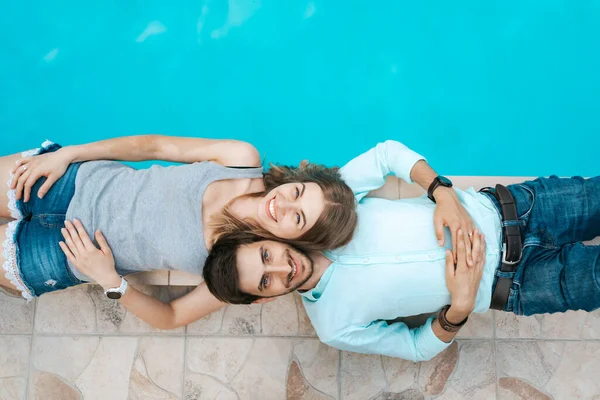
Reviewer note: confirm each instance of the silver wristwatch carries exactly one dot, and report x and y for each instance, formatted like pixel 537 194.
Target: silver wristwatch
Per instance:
pixel 118 292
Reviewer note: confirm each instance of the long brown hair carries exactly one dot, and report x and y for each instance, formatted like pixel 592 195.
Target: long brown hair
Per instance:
pixel 334 227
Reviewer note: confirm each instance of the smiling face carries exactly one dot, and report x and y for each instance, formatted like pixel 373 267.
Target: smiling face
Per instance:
pixel 291 209
pixel 268 268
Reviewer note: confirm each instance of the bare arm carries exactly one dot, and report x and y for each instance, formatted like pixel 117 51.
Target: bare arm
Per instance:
pixel 167 148
pixel 185 310
pixel 28 170
pixel 99 265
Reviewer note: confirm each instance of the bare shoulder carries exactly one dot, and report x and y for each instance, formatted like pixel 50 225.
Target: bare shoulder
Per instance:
pixel 237 153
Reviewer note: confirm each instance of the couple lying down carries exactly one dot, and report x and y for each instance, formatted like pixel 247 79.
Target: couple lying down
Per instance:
pixel 358 262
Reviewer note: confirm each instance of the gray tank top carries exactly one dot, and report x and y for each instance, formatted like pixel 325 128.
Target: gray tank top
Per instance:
pixel 151 218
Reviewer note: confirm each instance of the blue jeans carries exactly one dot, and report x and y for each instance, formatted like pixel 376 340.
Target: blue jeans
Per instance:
pixel 557 272
pixel 41 263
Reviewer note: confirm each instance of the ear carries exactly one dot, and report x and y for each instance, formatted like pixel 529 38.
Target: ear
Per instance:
pixel 263 300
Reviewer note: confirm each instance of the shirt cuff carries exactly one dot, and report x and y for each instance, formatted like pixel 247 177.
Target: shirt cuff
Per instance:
pixel 429 344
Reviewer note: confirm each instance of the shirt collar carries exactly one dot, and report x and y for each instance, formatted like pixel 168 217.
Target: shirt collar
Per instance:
pixel 315 293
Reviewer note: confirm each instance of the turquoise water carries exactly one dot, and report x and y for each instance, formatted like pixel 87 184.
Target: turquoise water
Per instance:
pixel 467 84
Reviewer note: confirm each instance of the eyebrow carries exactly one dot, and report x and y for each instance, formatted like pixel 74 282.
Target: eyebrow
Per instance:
pixel 302 212
pixel 262 278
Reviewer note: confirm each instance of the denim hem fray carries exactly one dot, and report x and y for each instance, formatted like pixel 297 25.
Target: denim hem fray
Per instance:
pixel 12 196
pixel 10 264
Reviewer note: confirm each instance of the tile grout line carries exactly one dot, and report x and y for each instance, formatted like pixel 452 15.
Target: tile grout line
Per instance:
pixel 339 380
pixel 495 355
pixel 184 372
pixel 30 360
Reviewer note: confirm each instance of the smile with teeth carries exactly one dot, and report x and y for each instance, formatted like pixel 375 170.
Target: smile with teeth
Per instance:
pixel 271 208
pixel 294 270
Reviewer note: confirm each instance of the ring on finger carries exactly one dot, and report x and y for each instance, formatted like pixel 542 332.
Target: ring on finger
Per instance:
pixel 24 167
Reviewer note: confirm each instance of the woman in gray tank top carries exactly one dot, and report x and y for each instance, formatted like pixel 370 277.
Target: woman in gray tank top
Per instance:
pixel 155 218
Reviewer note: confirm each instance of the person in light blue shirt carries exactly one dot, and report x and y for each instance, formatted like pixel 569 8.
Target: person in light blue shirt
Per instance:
pixel 393 267
pixel 399 262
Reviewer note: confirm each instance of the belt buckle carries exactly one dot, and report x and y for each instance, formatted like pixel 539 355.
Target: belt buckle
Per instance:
pixel 505 261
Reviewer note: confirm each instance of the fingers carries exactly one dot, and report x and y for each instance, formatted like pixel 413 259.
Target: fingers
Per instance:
pixel 17 172
pixel 439 230
pixel 20 183
pixel 103 243
pixel 69 241
pixel 468 246
pixel 75 237
pixel 67 252
pixel 47 185
pixel 85 238
pixel 450 266
pixel 33 177
pixel 461 252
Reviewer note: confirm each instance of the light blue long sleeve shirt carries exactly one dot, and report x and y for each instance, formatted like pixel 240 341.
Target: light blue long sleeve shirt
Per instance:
pixel 394 266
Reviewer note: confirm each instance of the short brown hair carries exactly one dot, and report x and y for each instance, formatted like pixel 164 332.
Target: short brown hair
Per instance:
pixel 334 227
pixel 220 268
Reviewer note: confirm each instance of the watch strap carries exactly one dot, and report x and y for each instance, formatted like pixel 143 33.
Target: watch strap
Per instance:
pixel 448 326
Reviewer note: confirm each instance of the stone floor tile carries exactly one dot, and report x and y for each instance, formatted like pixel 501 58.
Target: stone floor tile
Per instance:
pixel 509 326
pixel 209 325
pixel 401 375
pixel 66 357
pixel 220 358
pixel 591 326
pixel 280 317
pixel 577 374
pixel 251 368
pixel 434 374
pixel 107 375
pixel 204 387
pixel 14 361
pixel 362 376
pixel 66 311
pixel 305 327
pixel 479 326
pixel 534 362
pixel 16 314
pixel 569 325
pixel 298 389
pixel 318 365
pixel 85 309
pixel 48 386
pixel 242 320
pixel 516 389
pixel 92 367
pixel 155 376
pixel 475 374
pixel 263 375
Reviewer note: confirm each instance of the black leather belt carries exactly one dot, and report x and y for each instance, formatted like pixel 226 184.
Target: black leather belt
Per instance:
pixel 512 246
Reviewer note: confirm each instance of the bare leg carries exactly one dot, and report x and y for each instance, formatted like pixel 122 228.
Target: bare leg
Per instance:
pixel 3 280
pixel 6 165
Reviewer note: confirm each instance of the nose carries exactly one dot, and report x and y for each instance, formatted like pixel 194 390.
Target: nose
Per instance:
pixel 283 269
pixel 285 206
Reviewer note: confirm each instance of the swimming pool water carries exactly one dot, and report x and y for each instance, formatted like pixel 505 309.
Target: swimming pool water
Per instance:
pixel 480 88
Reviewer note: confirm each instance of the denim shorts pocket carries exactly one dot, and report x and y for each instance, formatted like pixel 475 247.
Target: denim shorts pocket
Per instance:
pixel 525 215
pixel 51 220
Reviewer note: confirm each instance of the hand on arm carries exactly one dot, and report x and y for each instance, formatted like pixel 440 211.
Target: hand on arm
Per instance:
pixel 130 148
pixel 448 211
pixel 99 265
pixel 463 283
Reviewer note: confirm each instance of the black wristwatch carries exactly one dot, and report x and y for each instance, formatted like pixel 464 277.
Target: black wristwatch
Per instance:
pixel 438 181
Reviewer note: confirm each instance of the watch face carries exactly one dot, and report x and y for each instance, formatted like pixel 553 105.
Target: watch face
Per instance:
pixel 113 295
pixel 445 181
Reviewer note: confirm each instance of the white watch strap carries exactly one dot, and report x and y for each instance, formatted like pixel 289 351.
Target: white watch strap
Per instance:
pixel 123 286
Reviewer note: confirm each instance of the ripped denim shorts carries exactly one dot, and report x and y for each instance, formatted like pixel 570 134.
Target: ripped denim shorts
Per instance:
pixel 35 264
